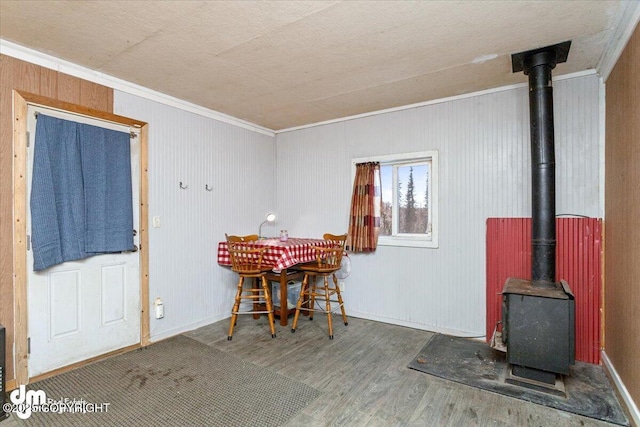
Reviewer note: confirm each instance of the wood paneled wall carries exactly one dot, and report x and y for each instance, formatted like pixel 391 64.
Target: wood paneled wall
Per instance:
pixel 622 207
pixel 24 76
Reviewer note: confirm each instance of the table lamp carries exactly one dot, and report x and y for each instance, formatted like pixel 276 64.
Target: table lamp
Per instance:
pixel 270 218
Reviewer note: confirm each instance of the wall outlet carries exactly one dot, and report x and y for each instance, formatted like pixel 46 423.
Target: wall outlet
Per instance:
pixel 342 287
pixel 156 222
pixel 159 308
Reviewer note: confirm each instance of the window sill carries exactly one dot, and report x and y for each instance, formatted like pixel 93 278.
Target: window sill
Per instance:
pixel 407 242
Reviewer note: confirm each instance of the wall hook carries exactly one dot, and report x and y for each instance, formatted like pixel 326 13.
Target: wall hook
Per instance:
pixel 183 187
pixel 206 187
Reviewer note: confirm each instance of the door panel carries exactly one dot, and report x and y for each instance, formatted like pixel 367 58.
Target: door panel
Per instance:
pixel 113 293
pixel 81 309
pixel 63 303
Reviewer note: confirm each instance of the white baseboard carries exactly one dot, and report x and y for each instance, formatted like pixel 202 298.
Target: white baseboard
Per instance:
pixel 622 390
pixel 420 326
pixel 155 337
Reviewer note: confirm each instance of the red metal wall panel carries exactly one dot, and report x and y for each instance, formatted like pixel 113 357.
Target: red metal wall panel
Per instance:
pixel 578 261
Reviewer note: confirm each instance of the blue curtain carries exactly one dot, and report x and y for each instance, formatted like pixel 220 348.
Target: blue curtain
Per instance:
pixel 81 200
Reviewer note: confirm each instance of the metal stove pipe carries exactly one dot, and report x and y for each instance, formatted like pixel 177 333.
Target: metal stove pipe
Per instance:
pixel 537 64
pixel 543 169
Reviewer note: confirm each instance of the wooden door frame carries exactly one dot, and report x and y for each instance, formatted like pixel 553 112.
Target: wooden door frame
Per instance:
pixel 21 102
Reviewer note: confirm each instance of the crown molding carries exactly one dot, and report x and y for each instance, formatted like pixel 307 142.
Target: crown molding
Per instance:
pixel 435 101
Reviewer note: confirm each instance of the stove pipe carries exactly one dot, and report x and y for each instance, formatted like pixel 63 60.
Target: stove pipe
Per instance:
pixel 538 315
pixel 537 64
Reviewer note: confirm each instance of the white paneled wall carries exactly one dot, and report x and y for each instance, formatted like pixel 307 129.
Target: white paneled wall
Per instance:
pixel 484 147
pixel 240 166
pixel 304 176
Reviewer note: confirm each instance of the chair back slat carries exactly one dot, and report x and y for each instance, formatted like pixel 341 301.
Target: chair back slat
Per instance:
pixel 329 258
pixel 337 241
pixel 245 259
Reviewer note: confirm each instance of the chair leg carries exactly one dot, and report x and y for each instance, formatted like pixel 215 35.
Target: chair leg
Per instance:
pixel 327 297
pixel 299 303
pixel 267 298
pixel 344 314
pixel 236 307
pixel 312 303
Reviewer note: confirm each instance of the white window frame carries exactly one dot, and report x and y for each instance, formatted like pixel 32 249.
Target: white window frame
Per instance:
pixel 420 241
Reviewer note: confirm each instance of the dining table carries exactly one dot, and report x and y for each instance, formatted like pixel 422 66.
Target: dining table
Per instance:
pixel 282 256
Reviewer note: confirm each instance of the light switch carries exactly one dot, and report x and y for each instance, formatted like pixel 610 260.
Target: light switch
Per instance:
pixel 156 222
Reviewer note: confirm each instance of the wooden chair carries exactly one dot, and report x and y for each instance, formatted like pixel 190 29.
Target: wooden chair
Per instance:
pixel 327 263
pixel 247 238
pixel 247 262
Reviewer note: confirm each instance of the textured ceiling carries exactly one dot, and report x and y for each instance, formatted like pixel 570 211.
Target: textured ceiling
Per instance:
pixel 281 64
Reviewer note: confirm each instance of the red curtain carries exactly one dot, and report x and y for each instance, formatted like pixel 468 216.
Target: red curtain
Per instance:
pixel 364 220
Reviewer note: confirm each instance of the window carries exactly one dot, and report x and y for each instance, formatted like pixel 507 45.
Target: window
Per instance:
pixel 409 210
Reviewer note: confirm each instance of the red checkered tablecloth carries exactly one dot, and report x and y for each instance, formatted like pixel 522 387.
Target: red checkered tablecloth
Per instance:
pixel 280 255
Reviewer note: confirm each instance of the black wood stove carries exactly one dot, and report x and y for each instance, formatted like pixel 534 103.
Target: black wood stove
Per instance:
pixel 538 326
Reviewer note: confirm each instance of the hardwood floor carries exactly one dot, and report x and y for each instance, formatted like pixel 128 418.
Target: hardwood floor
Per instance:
pixel 364 377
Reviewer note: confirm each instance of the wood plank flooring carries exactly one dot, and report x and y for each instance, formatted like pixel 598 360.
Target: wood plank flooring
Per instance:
pixel 364 377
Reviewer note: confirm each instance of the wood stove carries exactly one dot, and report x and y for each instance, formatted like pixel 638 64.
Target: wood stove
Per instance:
pixel 538 330
pixel 538 315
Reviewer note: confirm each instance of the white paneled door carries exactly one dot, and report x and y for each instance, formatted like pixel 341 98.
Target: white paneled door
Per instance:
pixel 81 309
